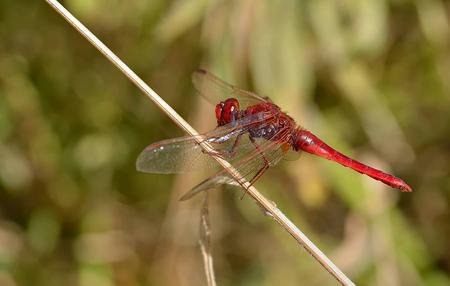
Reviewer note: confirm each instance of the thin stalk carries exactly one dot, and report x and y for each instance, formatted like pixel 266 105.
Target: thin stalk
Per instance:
pixel 205 243
pixel 264 203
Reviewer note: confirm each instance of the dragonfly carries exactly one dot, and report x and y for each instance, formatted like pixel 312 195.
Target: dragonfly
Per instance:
pixel 252 134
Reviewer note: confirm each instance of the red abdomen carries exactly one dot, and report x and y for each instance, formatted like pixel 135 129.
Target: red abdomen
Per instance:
pixel 306 141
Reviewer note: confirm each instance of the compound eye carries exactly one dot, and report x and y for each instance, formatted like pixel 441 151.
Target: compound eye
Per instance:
pixel 219 110
pixel 229 111
pixel 232 104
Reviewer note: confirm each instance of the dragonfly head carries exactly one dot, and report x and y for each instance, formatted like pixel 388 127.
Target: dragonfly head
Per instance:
pixel 227 111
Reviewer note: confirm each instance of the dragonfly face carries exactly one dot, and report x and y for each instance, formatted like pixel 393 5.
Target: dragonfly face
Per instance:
pixel 227 111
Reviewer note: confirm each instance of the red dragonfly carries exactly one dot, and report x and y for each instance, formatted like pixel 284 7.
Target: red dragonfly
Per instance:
pixel 253 134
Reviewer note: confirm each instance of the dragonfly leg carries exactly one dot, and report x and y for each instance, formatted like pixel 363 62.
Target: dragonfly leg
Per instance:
pixel 232 150
pixel 256 177
pixel 266 162
pixel 262 170
pixel 214 153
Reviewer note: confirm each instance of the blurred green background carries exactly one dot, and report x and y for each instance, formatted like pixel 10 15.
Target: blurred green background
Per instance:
pixel 372 78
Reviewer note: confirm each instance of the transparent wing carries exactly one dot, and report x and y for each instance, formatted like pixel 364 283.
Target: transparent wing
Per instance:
pixel 292 155
pixel 250 166
pixel 184 154
pixel 215 90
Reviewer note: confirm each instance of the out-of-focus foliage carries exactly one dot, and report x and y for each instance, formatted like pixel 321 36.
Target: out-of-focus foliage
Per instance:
pixel 370 77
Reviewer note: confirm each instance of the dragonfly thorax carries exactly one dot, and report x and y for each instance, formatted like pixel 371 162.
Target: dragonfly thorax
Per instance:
pixel 277 125
pixel 266 132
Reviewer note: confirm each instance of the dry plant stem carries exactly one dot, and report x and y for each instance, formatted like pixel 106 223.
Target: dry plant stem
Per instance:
pixel 260 199
pixel 205 243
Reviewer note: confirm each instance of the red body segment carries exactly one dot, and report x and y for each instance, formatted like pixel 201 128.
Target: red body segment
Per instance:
pixel 308 142
pixel 300 139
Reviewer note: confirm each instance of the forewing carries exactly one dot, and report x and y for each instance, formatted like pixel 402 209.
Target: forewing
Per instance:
pixel 184 154
pixel 177 155
pixel 216 90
